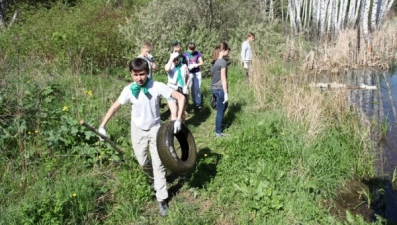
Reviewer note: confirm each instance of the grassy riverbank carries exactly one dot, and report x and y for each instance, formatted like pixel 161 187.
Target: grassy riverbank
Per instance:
pixel 274 167
pixel 289 148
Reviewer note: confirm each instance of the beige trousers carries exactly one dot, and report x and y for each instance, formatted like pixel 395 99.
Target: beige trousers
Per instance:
pixel 142 141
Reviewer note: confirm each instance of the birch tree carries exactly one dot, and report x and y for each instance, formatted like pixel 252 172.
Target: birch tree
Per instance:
pixel 323 14
pixel 384 8
pixel 365 16
pixel 351 15
pixel 332 16
pixel 342 15
pixel 2 14
pixel 374 14
pixel 316 17
pixel 298 19
pixel 291 11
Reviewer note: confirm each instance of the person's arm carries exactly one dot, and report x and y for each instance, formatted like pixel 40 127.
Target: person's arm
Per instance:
pixel 112 110
pixel 200 61
pixel 188 78
pixel 243 52
pixel 181 103
pixel 224 80
pixel 154 66
pixel 168 66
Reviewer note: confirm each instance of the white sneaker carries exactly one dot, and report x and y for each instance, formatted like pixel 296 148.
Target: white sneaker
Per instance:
pixel 163 208
pixel 220 135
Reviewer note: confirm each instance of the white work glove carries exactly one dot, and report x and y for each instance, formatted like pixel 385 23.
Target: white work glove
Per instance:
pixel 193 65
pixel 245 65
pixel 184 90
pixel 226 98
pixel 177 126
pixel 102 131
pixel 149 57
pixel 174 55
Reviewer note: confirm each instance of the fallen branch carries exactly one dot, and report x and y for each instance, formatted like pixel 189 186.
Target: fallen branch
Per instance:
pixel 14 18
pixel 105 138
pixel 336 85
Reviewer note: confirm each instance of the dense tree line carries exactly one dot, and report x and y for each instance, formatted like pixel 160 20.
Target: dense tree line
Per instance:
pixel 325 18
pixel 328 17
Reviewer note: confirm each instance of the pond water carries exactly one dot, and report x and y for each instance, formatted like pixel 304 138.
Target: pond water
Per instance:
pixel 378 106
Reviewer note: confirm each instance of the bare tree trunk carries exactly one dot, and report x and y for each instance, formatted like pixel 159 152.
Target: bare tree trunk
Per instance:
pixel 306 13
pixel 357 12
pixel 2 14
pixel 282 10
pixel 271 11
pixel 323 16
pixel 316 17
pixel 334 18
pixel 386 5
pixel 342 15
pixel 298 14
pixel 210 5
pixel 351 14
pixel 291 12
pixel 329 16
pixel 264 8
pixel 309 16
pixel 365 18
pixel 374 14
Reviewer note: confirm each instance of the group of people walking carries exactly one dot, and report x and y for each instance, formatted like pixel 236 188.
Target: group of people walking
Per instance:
pixel 183 71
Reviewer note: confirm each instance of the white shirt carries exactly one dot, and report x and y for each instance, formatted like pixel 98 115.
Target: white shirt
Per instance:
pixel 173 75
pixel 246 53
pixel 145 110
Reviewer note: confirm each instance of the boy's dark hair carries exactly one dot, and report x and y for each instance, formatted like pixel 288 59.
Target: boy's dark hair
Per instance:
pixel 191 45
pixel 139 64
pixel 250 34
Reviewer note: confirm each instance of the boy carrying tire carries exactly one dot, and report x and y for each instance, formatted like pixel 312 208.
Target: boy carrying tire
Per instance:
pixel 144 94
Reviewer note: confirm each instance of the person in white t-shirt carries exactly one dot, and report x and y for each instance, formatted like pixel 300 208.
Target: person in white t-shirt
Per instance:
pixel 143 94
pixel 179 79
pixel 145 53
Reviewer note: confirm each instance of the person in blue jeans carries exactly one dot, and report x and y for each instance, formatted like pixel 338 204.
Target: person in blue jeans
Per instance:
pixel 195 60
pixel 219 84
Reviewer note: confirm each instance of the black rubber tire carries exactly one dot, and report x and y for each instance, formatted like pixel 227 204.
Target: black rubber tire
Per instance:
pixel 184 163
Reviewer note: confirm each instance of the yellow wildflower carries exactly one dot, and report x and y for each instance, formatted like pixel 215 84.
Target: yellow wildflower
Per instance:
pixel 74 194
pixel 100 156
pixel 36 131
pixel 29 132
pixel 89 93
pixel 205 155
pixel 282 133
pixel 65 108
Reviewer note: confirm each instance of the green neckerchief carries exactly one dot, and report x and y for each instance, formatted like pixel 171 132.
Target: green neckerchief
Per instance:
pixel 189 55
pixel 136 88
pixel 179 79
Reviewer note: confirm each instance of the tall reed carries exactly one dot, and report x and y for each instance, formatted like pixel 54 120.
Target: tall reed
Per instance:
pixel 349 50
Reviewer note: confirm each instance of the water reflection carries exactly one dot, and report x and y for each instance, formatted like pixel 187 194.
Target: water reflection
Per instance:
pixel 379 107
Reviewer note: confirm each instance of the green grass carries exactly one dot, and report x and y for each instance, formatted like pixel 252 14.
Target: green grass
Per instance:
pixel 263 172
